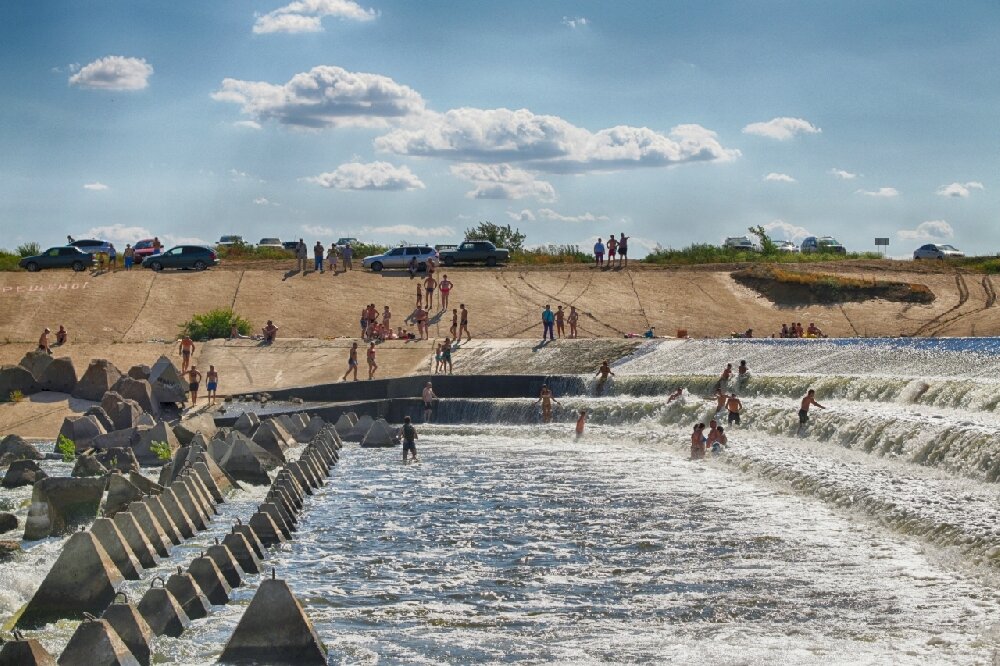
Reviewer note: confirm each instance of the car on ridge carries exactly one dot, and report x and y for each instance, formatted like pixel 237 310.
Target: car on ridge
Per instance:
pixel 197 257
pixel 273 243
pixel 67 256
pixel 786 246
pixel 230 240
pixel 399 257
pixel 93 246
pixel 144 248
pixel 937 251
pixel 739 243
pixel 823 245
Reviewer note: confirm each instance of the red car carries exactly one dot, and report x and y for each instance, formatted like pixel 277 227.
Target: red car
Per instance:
pixel 144 248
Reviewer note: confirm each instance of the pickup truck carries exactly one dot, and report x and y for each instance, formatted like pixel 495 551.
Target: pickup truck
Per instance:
pixel 475 252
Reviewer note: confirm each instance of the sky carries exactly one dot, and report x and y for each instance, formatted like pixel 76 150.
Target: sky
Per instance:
pixel 672 122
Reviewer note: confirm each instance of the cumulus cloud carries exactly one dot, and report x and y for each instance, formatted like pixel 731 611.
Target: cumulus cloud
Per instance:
pixel 316 230
pixel 782 128
pixel 524 215
pixel 381 176
pixel 113 73
pixel 553 216
pixel 881 193
pixel 843 175
pixel 408 231
pixel 787 230
pixel 779 178
pixel 96 186
pixel 121 234
pixel 575 22
pixel 550 143
pixel 932 230
pixel 325 96
pixel 502 181
pixel 959 190
pixel 264 201
pixel 247 124
pixel 307 16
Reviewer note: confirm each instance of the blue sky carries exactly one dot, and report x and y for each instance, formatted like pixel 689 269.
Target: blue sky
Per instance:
pixel 672 122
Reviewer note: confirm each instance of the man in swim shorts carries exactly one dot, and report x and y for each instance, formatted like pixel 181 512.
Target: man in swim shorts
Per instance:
pixel 212 378
pixel 429 284
pixel 807 401
pixel 43 341
pixel 604 372
pixel 352 363
pixel 734 406
pixel 186 350
pixel 464 323
pixel 194 381
pixel 409 439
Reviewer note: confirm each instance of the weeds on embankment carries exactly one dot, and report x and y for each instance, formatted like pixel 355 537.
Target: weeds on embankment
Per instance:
pixel 704 253
pixel 546 255
pixel 784 286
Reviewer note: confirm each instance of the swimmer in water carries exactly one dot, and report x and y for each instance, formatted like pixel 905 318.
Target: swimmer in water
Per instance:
pixel 734 406
pixel 718 445
pixel 720 400
pixel 678 392
pixel 604 371
pixel 580 421
pixel 546 398
pixel 698 442
pixel 807 401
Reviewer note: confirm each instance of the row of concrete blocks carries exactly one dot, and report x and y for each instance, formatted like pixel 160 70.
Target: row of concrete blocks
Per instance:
pixel 124 633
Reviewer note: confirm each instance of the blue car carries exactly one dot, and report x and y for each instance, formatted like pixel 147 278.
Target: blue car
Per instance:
pixel 58 257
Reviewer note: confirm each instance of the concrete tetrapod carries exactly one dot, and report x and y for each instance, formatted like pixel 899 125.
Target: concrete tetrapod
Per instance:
pixel 252 539
pixel 114 543
pixel 275 630
pixel 150 527
pixel 186 502
pixel 277 498
pixel 96 642
pixel 178 515
pixel 202 506
pixel 272 509
pixel 83 580
pixel 266 529
pixel 159 511
pixel 287 485
pixel 243 553
pixel 162 612
pixel 205 476
pixel 202 492
pixel 121 493
pixel 227 563
pixel 210 579
pixel 300 477
pixel 131 627
pixel 25 652
pixel 136 540
pixel 188 594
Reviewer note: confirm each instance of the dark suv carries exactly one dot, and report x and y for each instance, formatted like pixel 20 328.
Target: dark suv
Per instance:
pixel 197 257
pixel 59 257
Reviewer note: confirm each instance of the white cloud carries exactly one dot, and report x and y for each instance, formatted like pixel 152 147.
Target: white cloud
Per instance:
pixel 502 181
pixel 788 230
pixel 881 193
pixel 113 73
pixel 325 96
pixel 381 176
pixel 575 22
pixel 932 230
pixel 307 15
pixel 242 176
pixel 553 216
pixel 779 178
pixel 959 190
pixel 408 230
pixel 316 230
pixel 550 143
pixel 843 175
pixel 263 201
pixel 96 186
pixel 782 129
pixel 247 124
pixel 524 215
pixel 121 235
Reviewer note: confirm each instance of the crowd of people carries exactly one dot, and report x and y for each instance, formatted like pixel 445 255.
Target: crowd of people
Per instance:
pixel 61 335
pixel 795 330
pixel 614 247
pixel 332 258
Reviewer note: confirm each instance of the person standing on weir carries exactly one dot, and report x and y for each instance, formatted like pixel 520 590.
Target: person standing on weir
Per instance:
pixel 807 401
pixel 194 381
pixel 186 350
pixel 546 398
pixel 548 320
pixel 430 401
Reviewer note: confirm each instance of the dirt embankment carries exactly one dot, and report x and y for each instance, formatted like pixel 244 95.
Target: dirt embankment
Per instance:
pixel 790 287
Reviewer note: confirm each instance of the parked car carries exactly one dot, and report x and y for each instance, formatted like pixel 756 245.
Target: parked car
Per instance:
pixel 739 243
pixel 143 249
pixel 937 251
pixel 230 240
pixel 93 246
pixel 824 244
pixel 399 257
pixel 68 256
pixel 341 242
pixel 475 252
pixel 271 242
pixel 786 246
pixel 198 257
pixel 290 245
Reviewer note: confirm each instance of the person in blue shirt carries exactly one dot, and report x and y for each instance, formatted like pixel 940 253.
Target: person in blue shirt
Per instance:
pixel 599 253
pixel 548 320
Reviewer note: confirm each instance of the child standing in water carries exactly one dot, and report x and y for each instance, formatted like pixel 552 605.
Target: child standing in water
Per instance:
pixel 580 421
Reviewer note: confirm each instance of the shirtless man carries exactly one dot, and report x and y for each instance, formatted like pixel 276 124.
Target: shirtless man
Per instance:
pixel 43 342
pixel 464 323
pixel 581 420
pixel 429 284
pixel 62 335
pixel 270 332
pixel 719 445
pixel 352 363
pixel 698 442
pixel 573 318
pixel 420 316
pixel 720 400
pixel 454 323
pixel 194 381
pixel 807 401
pixel 546 398
pixel 604 372
pixel 743 370
pixel 386 319
pixel 678 392
pixel 734 406
pixel 446 355
pixel 212 379
pixel 372 365
pixel 430 401
pixel 726 374
pixel 186 350
pixel 560 326
pixel 445 286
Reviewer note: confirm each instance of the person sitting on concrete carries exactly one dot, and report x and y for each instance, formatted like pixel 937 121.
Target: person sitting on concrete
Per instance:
pixel 62 336
pixel 270 332
pixel 234 333
pixel 43 341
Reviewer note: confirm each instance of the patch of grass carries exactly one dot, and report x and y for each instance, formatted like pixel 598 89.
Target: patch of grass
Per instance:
pixel 788 286
pixel 215 323
pixel 246 251
pixel 67 448
pixel 161 449
pixel 545 255
pixel 704 253
pixel 28 249
pixel 16 396
pixel 8 261
pixel 989 265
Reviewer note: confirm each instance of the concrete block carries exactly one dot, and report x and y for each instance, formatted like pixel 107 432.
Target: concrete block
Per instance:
pixel 22 473
pixel 159 511
pixel 247 462
pixel 252 539
pixel 114 544
pixel 70 502
pixel 88 465
pixel 132 628
pixel 138 390
pixel 136 539
pixel 273 510
pixel 82 580
pixel 96 642
pixel 184 500
pixel 274 498
pixel 227 563
pixel 81 430
pixel 266 529
pixel 168 385
pixel 25 652
pixel 243 553
pixel 163 613
pixel 151 528
pixel 247 423
pixel 177 513
pixel 300 477
pixel 121 493
pixel 36 362
pixel 210 579
pixel 15 378
pixel 380 434
pixel 275 629
pixel 100 376
pixel 201 492
pixel 273 438
pixel 145 485
pixel 203 423
pixel 189 595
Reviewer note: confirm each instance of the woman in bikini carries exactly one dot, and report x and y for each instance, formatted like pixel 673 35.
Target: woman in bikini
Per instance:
pixel 372 365
pixel 573 317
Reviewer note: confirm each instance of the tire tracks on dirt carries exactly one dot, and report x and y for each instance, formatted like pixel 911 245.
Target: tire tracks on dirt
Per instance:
pixel 141 308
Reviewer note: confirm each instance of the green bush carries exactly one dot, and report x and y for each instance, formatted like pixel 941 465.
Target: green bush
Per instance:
pixel 8 261
pixel 551 254
pixel 703 253
pixel 244 250
pixel 28 249
pixel 361 250
pixel 214 324
pixel 67 448
pixel 504 237
pixel 161 449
